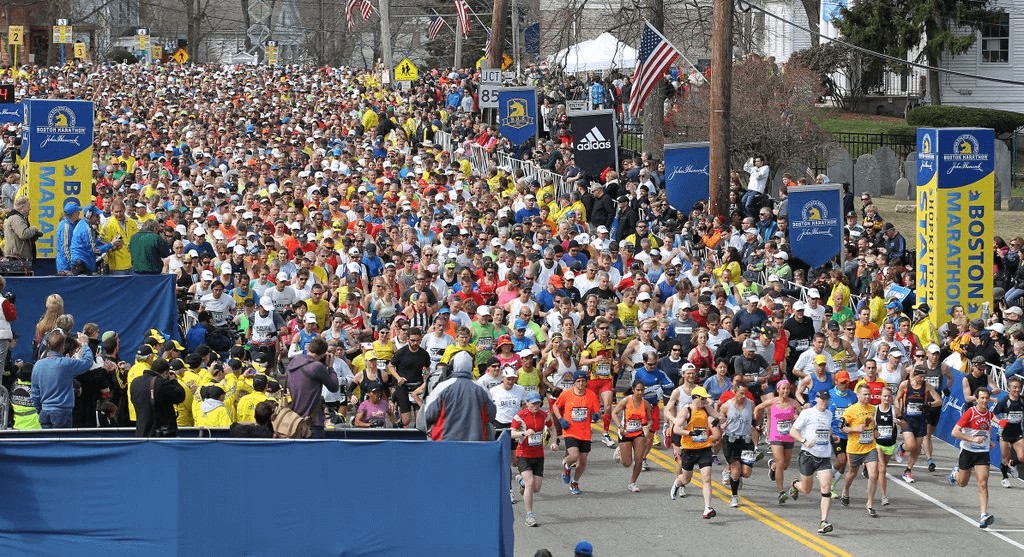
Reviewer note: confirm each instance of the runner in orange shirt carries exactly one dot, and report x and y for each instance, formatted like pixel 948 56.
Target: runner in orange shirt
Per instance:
pixel 573 409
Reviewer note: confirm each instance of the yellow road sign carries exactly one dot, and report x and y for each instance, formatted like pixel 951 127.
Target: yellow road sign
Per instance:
pixel 62 34
pixel 406 71
pixel 16 35
pixel 80 51
pixel 181 56
pixel 158 52
pixel 140 42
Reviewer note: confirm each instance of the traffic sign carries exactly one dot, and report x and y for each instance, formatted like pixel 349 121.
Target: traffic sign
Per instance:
pixel 62 33
pixel 16 35
pixel 406 71
pixel 181 56
pixel 490 83
pixel 140 41
pixel 506 61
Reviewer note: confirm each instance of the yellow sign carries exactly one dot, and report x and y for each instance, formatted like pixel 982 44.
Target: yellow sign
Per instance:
pixel 140 42
pixel 16 35
pixel 181 56
pixel 506 61
pixel 158 52
pixel 406 71
pixel 62 34
pixel 80 51
pixel 273 55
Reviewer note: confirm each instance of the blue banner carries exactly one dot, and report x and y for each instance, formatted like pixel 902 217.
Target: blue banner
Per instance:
pixel 13 113
pixel 129 305
pixel 517 113
pixel 255 497
pixel 687 179
pixel 953 406
pixel 531 39
pixel 816 223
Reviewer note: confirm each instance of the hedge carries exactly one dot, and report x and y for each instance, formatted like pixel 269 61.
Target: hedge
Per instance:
pixel 1002 121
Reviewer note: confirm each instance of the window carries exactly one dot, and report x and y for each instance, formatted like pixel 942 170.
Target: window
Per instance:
pixel 995 40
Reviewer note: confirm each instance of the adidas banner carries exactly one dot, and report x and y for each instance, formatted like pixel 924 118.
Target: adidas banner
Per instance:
pixel 686 174
pixel 517 113
pixel 594 141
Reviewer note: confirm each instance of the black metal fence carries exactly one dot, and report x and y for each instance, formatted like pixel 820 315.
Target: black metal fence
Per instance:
pixel 858 144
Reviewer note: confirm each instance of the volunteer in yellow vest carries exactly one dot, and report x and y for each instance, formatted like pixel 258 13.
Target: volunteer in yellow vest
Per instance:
pixel 696 425
pixel 119 260
pixel 923 327
pixel 247 404
pixel 212 412
pixel 143 359
pixel 25 415
pixel 859 424
pixel 190 382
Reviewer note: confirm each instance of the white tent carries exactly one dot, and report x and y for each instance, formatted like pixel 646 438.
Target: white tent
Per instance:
pixel 603 53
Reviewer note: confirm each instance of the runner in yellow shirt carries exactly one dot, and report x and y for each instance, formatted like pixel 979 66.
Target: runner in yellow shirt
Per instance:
pixel 858 423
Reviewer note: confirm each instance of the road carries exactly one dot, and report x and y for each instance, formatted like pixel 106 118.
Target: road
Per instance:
pixel 926 516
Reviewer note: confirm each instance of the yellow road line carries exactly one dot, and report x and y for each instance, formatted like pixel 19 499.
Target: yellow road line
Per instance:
pixel 761 514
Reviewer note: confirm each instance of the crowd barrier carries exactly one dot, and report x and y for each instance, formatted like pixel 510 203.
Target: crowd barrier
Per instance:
pixel 255 497
pixel 129 305
pixel 480 160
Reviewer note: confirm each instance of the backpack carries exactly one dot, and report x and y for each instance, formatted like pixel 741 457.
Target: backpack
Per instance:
pixel 288 424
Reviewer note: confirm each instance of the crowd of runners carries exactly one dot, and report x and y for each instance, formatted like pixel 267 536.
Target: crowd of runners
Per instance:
pixel 303 203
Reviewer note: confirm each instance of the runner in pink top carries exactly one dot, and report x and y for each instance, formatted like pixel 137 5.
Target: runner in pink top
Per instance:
pixel 782 412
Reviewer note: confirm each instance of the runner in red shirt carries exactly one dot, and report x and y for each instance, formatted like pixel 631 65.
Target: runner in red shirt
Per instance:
pixel 528 428
pixel 573 409
pixel 974 430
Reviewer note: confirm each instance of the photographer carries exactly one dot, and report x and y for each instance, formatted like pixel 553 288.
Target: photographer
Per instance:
pixel 154 395
pixel 20 235
pixel 9 313
pixel 308 374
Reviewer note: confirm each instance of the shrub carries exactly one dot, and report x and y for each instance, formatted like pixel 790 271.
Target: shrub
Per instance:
pixel 122 56
pixel 1002 121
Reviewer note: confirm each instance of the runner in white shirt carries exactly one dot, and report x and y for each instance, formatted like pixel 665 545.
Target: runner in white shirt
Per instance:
pixel 813 430
pixel 508 397
pixel 813 309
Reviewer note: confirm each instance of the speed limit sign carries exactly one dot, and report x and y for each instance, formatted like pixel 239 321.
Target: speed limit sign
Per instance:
pixel 490 83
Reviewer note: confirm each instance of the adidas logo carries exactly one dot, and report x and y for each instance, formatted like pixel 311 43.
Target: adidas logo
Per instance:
pixel 593 141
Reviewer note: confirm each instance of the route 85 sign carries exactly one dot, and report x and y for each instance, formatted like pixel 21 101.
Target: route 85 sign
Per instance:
pixel 816 231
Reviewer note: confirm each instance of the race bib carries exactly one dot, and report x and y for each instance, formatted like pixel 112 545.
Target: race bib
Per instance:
pixel 885 432
pixel 774 369
pixel 485 343
pixel 630 330
pixel 784 426
pixel 1014 417
pixel 839 413
pixel 382 365
pixel 632 426
pixel 684 330
pixel 535 439
pixel 747 457
pixel 803 344
pixel 699 435
pixel 913 408
pixel 604 370
pixel 579 414
pixel 822 436
pixel 933 381
pixel 867 437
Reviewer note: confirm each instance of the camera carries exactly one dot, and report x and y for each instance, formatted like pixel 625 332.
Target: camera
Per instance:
pixel 10 297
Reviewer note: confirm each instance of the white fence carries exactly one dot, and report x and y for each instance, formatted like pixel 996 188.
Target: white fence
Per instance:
pixel 480 161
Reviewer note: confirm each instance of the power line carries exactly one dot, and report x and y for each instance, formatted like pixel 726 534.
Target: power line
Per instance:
pixel 748 6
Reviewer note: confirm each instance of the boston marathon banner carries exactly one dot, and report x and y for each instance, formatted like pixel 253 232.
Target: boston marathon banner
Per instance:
pixel 955 170
pixel 687 179
pixel 13 113
pixel 517 113
pixel 595 143
pixel 57 148
pixel 816 222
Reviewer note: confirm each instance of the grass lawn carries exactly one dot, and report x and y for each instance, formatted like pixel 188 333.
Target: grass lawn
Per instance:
pixel 862 123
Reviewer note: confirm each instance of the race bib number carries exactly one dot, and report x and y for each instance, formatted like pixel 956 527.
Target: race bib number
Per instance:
pixel 867 437
pixel 933 381
pixel 579 414
pixel 699 435
pixel 774 369
pixel 803 344
pixel 747 457
pixel 382 365
pixel 684 330
pixel 485 343
pixel 630 330
pixel 885 431
pixel 604 370
pixel 1014 417
pixel 632 426
pixel 913 408
pixel 535 439
pixel 822 436
pixel 784 426
pixel 839 413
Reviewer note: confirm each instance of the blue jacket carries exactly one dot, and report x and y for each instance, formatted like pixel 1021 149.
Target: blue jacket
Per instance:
pixel 62 243
pixel 53 377
pixel 85 245
pixel 195 337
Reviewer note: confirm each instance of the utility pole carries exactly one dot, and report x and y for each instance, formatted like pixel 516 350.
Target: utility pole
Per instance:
pixel 721 77
pixel 654 108
pixel 458 47
pixel 385 36
pixel 516 47
pixel 498 22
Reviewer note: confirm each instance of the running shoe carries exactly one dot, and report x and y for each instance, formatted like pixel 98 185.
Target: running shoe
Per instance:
pixel 716 461
pixel 673 492
pixel 908 476
pixel 644 467
pixel 759 456
pixel 657 439
pixel 709 513
pixel 734 501
pixel 885 501
pixel 617 455
pixel 607 440
pixel 845 500
pixel 594 417
pixel 1005 482
pixel 824 527
pixel 952 475
pixel 986 520
pixel 900 453
pixel 783 497
pixel 574 488
pixel 872 512
pixel 512 496
pixel 522 484
pixel 794 493
pixel 726 476
pixel 771 469
pixel 566 470
pixel 931 465
pixel 1015 470
pixel 634 488
pixel 530 520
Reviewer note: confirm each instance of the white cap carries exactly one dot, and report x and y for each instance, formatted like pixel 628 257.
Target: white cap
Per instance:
pixel 353 251
pixel 267 304
pixel 1014 309
pixel 206 275
pixel 751 231
pixel 813 293
pixel 997 327
pixel 753 299
pixel 799 306
pixel 509 371
pixel 239 249
pixel 934 348
pixel 225 268
pixel 602 229
pixel 199 231
pixel 483 310
pixel 644 296
pixel 782 255
pixel 295 226
pixel 773 278
pixel 568 275
pixel 310 318
pixel 282 276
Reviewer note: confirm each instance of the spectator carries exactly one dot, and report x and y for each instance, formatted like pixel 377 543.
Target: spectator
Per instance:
pixel 154 395
pixel 53 390
pixel 459 410
pixel 308 375
pixel 262 428
pixel 148 249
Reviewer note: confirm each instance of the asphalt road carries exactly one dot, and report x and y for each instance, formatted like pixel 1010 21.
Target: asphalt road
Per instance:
pixel 928 516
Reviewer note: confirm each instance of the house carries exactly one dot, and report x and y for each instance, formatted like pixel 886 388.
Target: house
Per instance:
pixel 997 52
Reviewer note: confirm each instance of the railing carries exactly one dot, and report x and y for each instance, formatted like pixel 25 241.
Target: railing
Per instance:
pixel 480 160
pixel 858 144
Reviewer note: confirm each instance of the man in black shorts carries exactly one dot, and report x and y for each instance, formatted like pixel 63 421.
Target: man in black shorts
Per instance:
pixel 813 430
pixel 697 426
pixel 409 367
pixel 1010 412
pixel 973 429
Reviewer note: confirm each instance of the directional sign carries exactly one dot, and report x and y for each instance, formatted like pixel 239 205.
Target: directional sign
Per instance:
pixel 273 53
pixel 181 56
pixel 80 51
pixel 16 35
pixel 490 83
pixel 406 71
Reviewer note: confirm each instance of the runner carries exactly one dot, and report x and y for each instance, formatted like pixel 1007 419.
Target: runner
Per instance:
pixel 656 388
pixel 939 376
pixel 812 429
pixel 528 428
pixel 697 425
pixel 782 411
pixel 885 420
pixel 738 440
pixel 573 410
pixel 914 400
pixel 561 368
pixel 634 417
pixel 840 398
pixel 973 431
pixel 1010 411
pixel 812 383
pixel 859 420
pixel 599 355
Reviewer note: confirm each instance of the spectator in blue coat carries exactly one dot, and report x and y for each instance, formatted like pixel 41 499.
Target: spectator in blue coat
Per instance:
pixel 85 246
pixel 66 226
pixel 53 380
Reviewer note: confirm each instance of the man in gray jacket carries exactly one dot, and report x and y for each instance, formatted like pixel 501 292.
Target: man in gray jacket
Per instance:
pixel 308 375
pixel 459 409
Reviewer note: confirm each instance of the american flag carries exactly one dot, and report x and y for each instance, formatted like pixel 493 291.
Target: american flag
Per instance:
pixel 366 8
pixel 350 6
pixel 655 57
pixel 436 26
pixel 462 7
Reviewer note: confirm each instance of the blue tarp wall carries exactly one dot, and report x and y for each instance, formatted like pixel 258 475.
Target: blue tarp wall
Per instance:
pixel 953 407
pixel 129 305
pixel 252 498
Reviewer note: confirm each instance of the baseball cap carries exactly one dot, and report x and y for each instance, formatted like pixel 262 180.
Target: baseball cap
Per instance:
pixel 282 276
pixel 483 310
pixel 533 396
pixel 584 548
pixel 1014 309
pixel 773 278
pixel 699 392
pixel 823 394
pixel 978 360
pixel 832 325
pixel 753 299
pixel 749 344
pixel 520 324
pixel 644 296
pixel 782 255
pixel 813 293
pixel 842 377
pixel 687 366
pixel 997 327
pixel 207 275
pixel 893 304
pixel 798 306
pixel 926 309
pixel 820 359
pixel 934 348
pixel 310 318
pixel 579 374
pixel 267 304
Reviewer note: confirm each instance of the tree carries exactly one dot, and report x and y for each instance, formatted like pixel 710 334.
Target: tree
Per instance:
pixel 828 60
pixel 772 113
pixel 937 27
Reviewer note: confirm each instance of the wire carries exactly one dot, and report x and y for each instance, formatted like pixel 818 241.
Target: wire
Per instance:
pixel 749 6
